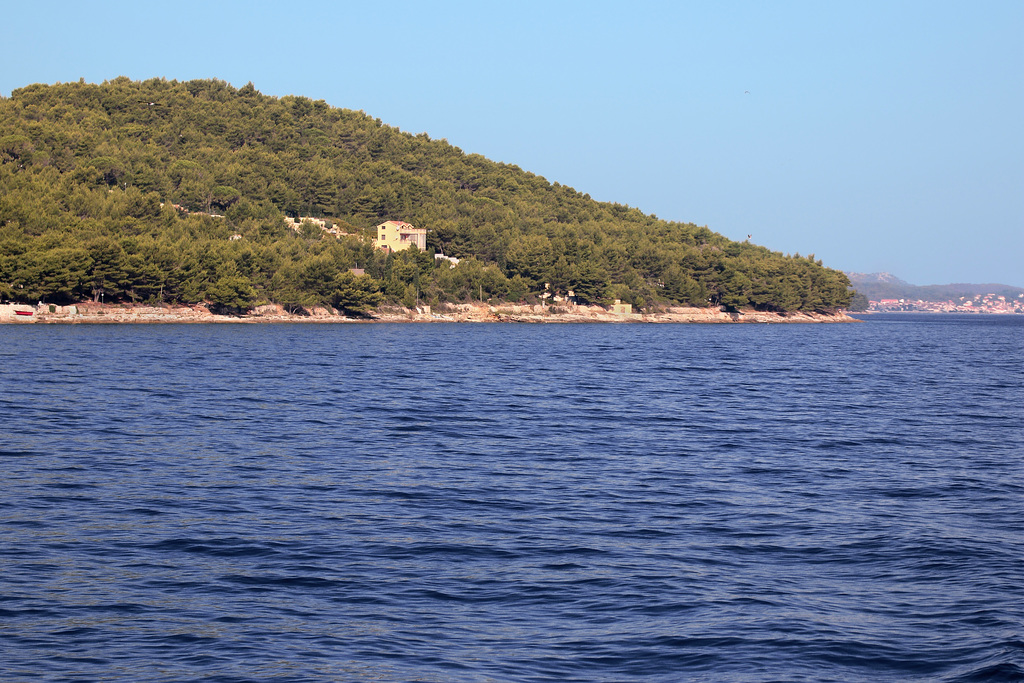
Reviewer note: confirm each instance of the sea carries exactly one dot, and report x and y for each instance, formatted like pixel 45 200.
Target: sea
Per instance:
pixel 502 502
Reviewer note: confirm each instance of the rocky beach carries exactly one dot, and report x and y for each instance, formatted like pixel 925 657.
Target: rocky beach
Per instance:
pixel 94 313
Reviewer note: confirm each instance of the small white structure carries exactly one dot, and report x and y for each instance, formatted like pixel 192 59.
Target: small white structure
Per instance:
pixel 452 261
pixel 619 308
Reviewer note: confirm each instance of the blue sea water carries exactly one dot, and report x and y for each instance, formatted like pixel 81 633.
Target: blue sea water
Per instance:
pixel 513 502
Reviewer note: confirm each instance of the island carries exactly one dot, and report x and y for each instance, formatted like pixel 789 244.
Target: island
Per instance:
pixel 199 201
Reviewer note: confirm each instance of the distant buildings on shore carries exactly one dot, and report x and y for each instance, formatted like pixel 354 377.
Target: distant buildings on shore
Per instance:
pixel 982 303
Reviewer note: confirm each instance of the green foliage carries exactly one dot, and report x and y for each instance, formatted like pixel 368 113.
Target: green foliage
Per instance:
pixel 859 302
pixel 231 293
pixel 108 191
pixel 355 295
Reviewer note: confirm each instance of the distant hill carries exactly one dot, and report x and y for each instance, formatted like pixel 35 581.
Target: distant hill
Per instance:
pixel 176 192
pixel 877 286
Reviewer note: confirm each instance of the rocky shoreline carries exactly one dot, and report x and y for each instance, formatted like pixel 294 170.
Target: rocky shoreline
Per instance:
pixel 93 313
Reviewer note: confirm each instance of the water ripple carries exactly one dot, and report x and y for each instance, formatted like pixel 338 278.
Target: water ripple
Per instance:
pixel 535 503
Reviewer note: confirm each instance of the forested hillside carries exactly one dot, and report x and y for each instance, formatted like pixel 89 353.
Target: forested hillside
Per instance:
pixel 90 176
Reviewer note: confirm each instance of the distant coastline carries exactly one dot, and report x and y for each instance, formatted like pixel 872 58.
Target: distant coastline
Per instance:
pixel 886 293
pixel 92 313
pixel 934 314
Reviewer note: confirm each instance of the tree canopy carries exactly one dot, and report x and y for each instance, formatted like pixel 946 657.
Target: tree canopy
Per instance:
pixel 176 191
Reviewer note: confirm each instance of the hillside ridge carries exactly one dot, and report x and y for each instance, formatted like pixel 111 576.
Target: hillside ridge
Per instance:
pixel 877 286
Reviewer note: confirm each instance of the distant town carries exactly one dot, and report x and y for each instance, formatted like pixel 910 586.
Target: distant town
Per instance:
pixel 981 303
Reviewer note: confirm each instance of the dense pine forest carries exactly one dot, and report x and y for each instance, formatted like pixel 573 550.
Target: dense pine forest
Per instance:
pixel 166 191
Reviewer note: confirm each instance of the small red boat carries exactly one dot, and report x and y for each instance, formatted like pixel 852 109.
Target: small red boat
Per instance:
pixel 23 312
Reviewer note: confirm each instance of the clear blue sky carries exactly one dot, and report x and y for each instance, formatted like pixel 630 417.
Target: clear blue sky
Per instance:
pixel 878 135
